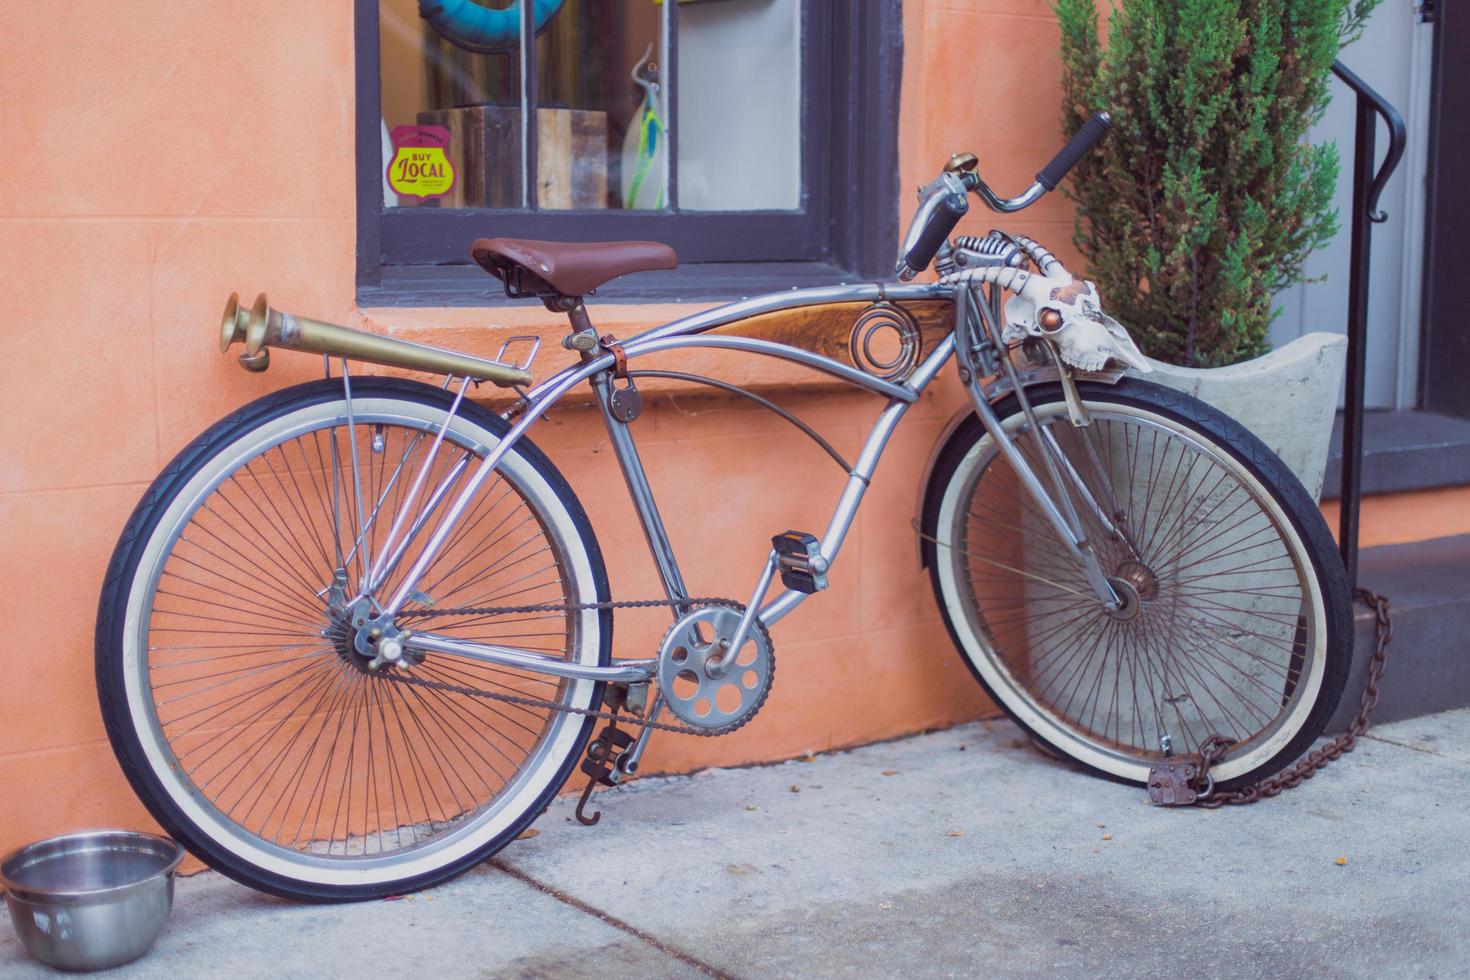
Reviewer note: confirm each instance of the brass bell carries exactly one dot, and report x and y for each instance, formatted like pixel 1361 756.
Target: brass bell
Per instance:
pixel 962 163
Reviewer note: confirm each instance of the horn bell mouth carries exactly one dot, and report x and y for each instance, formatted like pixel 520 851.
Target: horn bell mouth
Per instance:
pixel 259 318
pixel 232 324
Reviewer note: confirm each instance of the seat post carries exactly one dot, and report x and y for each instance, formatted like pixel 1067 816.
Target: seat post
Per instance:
pixel 583 337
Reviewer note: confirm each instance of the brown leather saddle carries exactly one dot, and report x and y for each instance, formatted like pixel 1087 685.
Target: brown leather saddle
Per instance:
pixel 531 268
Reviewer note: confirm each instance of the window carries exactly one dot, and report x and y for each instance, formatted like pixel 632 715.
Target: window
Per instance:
pixel 758 137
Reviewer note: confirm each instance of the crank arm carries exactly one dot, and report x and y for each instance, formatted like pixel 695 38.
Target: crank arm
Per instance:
pixel 625 671
pixel 743 629
pixel 627 764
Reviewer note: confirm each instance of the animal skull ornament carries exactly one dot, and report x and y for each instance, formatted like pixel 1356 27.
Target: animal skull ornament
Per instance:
pixel 1060 307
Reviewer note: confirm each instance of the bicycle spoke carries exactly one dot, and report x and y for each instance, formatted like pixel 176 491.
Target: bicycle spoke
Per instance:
pixel 1210 643
pixel 271 712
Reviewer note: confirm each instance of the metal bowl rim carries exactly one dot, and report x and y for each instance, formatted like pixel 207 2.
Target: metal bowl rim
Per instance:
pixel 25 892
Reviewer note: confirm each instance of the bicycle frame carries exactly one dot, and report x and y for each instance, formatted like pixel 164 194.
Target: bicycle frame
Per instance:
pixel 692 332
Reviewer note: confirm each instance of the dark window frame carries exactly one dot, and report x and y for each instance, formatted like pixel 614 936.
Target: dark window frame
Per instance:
pixel 847 228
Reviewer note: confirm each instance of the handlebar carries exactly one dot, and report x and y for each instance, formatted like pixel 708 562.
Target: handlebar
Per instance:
pixel 1077 147
pixel 1049 176
pixel 943 202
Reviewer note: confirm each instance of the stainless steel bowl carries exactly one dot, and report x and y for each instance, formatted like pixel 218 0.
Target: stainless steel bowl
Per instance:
pixel 93 900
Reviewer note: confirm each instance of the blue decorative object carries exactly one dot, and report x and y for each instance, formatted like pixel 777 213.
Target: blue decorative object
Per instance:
pixel 475 27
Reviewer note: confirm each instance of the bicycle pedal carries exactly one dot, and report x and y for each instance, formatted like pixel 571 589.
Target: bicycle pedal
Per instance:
pixel 799 560
pixel 602 754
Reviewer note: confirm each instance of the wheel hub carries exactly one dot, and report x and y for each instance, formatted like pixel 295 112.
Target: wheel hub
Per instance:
pixel 1135 583
pixel 1140 577
pixel 370 643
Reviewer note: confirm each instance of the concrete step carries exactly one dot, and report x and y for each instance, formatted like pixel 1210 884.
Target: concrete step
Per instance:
pixel 1404 450
pixel 1428 586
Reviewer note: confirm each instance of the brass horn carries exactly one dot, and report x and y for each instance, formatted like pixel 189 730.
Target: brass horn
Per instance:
pixel 261 328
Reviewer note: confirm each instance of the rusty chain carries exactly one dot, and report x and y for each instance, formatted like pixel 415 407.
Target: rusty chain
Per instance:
pixel 1318 759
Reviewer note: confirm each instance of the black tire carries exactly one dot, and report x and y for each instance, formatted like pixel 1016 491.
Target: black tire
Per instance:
pixel 109 640
pixel 1258 460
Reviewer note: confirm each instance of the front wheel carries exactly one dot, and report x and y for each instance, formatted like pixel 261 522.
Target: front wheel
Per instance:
pixel 237 699
pixel 1236 618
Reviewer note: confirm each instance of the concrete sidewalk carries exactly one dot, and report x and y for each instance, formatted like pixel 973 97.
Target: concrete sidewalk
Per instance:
pixel 961 853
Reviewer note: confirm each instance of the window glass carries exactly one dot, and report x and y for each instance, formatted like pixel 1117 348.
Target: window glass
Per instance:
pixel 602 118
pixel 603 136
pixel 739 92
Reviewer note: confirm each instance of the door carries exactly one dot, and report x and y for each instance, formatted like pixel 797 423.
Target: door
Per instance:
pixel 1394 57
pixel 1447 252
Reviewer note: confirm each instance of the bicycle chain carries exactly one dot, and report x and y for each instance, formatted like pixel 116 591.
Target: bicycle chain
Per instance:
pixel 1213 747
pixel 1318 759
pixel 613 716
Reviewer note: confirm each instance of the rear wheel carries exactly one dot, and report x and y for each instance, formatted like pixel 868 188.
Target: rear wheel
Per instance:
pixel 1236 618
pixel 245 716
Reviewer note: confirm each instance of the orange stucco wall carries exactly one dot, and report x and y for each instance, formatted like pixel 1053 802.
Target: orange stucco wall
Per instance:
pixel 158 156
pixel 1399 518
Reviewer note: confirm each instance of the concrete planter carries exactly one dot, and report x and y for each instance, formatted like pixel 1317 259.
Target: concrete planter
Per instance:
pixel 1288 398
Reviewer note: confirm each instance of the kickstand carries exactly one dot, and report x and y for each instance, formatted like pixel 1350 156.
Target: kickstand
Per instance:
pixel 602 758
pixel 582 817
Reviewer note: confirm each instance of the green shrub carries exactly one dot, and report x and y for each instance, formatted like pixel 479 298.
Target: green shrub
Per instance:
pixel 1205 200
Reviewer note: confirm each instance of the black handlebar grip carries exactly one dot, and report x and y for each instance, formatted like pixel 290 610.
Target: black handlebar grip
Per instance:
pixel 1085 139
pixel 951 209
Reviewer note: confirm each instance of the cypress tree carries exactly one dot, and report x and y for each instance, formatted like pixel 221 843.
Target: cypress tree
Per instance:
pixel 1205 199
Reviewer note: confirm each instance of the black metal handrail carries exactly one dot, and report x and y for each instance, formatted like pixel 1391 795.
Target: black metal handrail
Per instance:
pixel 1367 187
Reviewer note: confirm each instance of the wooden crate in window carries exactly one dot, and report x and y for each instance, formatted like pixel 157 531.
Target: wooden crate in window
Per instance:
pixel 485 150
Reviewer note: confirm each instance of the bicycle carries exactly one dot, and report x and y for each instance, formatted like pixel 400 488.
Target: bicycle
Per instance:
pixel 357 635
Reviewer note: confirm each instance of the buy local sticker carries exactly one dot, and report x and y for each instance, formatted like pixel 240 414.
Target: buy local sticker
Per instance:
pixel 420 167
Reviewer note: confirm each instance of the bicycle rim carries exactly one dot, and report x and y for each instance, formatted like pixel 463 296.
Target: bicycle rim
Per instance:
pixel 261 723
pixel 1225 625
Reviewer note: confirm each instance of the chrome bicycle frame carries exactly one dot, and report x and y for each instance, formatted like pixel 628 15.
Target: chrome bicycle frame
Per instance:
pixel 692 332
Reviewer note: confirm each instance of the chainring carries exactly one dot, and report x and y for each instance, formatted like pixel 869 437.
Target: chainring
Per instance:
pixel 689 679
